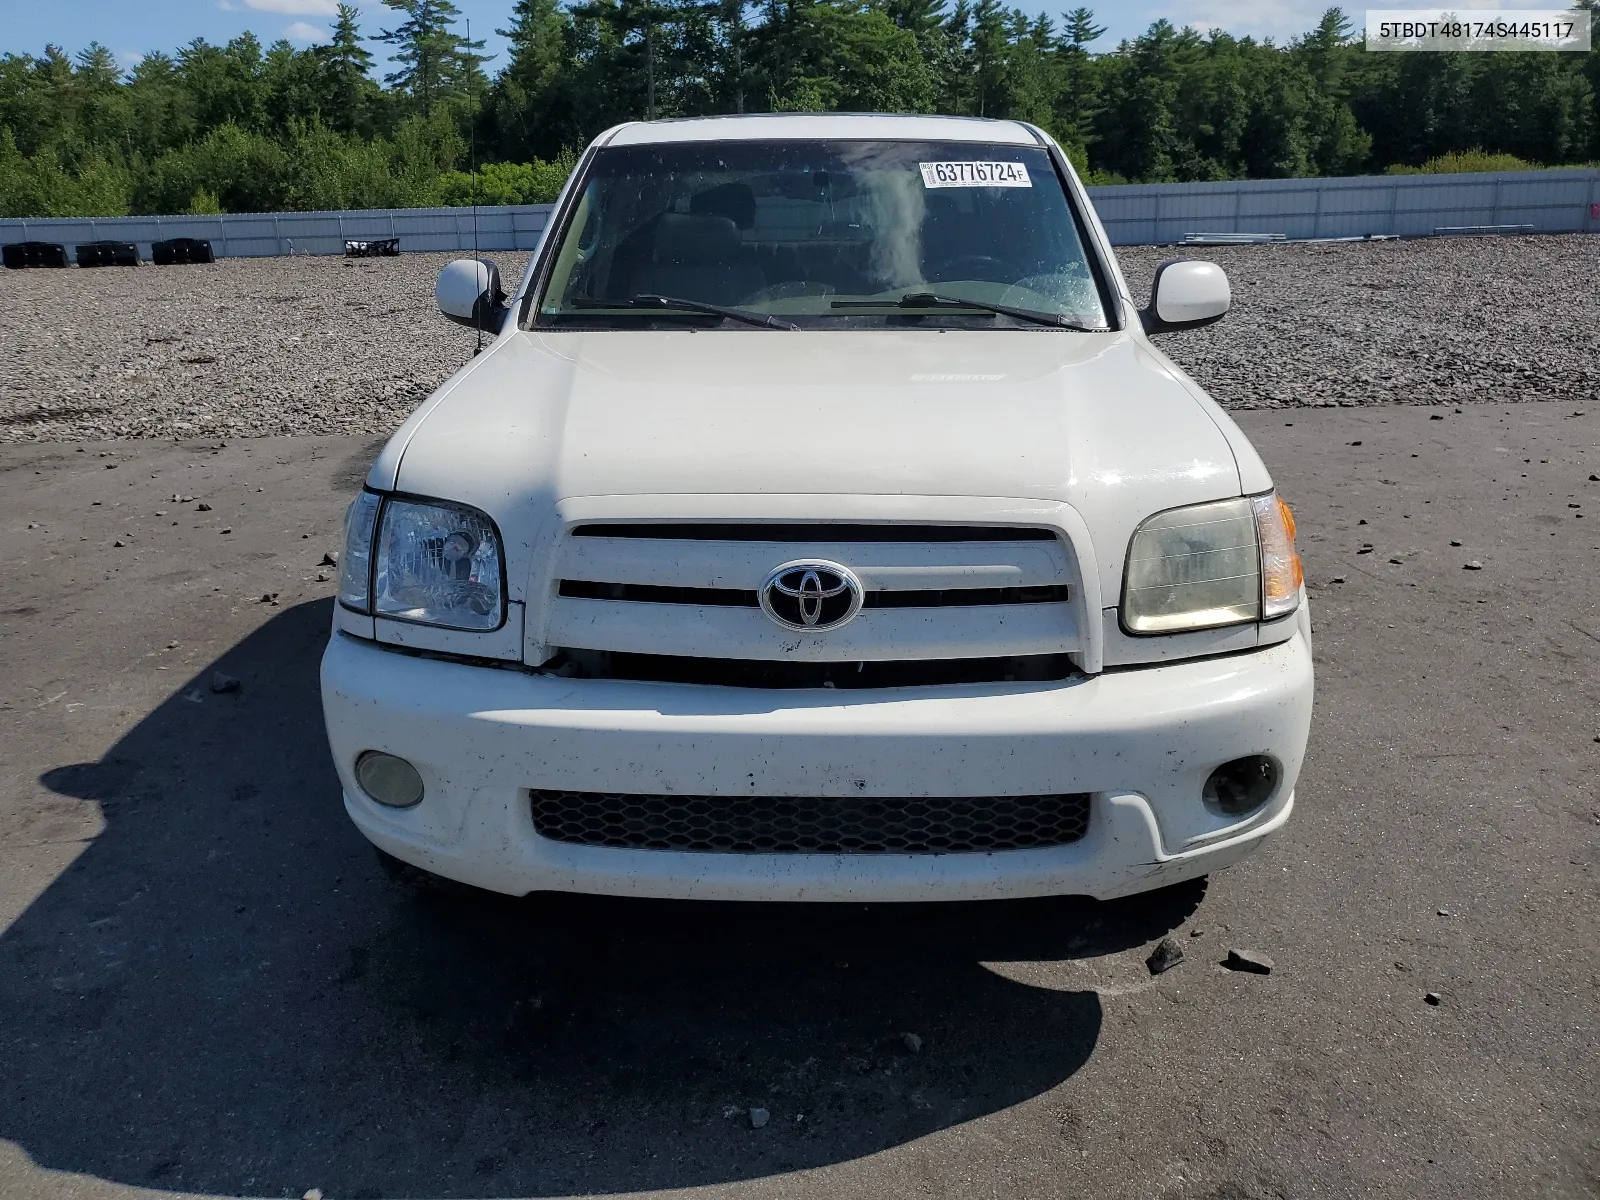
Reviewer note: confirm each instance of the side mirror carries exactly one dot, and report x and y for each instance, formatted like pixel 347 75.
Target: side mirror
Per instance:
pixel 469 293
pixel 1185 294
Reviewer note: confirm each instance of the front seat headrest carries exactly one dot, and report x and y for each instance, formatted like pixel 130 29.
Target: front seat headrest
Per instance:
pixel 694 240
pixel 736 201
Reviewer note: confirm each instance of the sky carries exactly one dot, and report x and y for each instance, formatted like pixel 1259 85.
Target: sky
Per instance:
pixel 129 28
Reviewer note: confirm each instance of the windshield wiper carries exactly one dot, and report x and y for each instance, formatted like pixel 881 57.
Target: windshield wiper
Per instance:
pixel 668 303
pixel 928 300
pixel 764 320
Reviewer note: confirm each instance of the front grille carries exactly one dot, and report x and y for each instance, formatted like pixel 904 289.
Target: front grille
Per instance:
pixel 766 673
pixel 690 590
pixel 644 593
pixel 810 825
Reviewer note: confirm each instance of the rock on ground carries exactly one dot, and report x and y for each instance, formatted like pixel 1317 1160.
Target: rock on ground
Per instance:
pixel 1249 961
pixel 1165 956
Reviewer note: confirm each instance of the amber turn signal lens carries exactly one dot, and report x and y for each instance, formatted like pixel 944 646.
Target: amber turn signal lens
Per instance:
pixel 1281 574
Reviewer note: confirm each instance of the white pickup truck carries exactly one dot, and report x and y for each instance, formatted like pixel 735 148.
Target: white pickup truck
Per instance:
pixel 821 524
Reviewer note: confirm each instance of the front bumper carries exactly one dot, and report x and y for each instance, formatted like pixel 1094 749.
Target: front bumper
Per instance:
pixel 1140 741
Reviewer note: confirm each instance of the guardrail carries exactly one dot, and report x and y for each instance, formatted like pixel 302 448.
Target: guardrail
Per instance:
pixel 1558 201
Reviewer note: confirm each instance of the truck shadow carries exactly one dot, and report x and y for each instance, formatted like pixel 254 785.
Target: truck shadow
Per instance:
pixel 225 994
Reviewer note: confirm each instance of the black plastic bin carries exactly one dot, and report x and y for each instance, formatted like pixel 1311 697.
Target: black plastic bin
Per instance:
pixel 17 255
pixel 174 251
pixel 108 254
pixel 371 247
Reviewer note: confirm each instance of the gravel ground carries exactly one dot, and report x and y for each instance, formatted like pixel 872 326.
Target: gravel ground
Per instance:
pixel 1431 321
pixel 246 347
pixel 261 347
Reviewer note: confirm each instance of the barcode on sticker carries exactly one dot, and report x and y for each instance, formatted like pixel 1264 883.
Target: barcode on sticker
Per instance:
pixel 975 174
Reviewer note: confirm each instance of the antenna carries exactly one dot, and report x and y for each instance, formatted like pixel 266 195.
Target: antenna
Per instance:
pixel 472 142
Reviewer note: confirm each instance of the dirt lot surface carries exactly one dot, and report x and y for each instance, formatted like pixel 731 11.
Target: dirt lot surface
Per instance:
pixel 258 347
pixel 208 987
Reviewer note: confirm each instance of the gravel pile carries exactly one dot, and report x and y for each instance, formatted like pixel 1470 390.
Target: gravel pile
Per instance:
pixel 256 347
pixel 246 347
pixel 1431 321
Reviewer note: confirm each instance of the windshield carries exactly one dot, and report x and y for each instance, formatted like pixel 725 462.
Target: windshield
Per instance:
pixel 837 234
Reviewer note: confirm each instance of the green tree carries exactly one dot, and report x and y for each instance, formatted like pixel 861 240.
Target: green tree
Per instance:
pixel 729 69
pixel 435 62
pixel 291 85
pixel 1078 92
pixel 36 98
pixel 988 59
pixel 245 170
pixel 161 109
pixel 529 105
pixel 224 82
pixel 38 186
pixel 840 56
pixel 1137 125
pixel 1338 144
pixel 345 68
pixel 1590 71
pixel 97 67
pixel 1325 50
pixel 534 182
pixel 100 106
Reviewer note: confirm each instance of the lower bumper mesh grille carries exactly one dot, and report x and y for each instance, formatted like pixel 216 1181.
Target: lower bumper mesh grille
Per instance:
pixel 810 825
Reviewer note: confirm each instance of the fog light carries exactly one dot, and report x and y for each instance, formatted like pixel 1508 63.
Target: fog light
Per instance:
pixel 389 780
pixel 1241 786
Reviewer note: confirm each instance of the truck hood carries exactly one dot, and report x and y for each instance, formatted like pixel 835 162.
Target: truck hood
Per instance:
pixel 1097 421
pixel 1046 416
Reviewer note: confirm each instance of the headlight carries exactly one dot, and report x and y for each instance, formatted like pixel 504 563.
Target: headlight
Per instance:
pixel 431 562
pixel 438 564
pixel 1209 565
pixel 355 564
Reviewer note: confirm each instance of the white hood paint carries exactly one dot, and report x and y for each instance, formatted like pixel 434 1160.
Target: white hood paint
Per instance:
pixel 1097 421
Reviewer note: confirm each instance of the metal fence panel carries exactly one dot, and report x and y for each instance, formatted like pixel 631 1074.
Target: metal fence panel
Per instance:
pixel 1552 191
pixel 250 235
pixel 1560 201
pixel 1287 203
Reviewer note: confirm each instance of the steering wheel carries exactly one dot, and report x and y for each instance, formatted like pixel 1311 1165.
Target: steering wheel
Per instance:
pixel 974 266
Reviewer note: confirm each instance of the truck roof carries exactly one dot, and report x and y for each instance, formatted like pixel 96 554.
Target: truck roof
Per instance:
pixel 822 126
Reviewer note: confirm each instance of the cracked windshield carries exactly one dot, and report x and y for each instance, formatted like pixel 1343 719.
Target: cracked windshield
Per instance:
pixel 823 234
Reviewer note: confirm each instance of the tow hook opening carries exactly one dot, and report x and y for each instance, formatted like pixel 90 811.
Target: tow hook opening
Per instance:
pixel 1241 786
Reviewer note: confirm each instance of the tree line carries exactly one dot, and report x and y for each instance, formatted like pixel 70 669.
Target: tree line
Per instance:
pixel 242 127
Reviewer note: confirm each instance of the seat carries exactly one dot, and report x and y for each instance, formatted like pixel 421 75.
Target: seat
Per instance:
pixel 736 201
pixel 698 256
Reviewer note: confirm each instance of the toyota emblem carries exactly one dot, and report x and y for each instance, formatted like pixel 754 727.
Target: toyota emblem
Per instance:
pixel 812 597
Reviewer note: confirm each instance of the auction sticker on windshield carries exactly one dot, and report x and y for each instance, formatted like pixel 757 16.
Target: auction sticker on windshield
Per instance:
pixel 975 174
